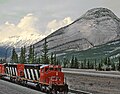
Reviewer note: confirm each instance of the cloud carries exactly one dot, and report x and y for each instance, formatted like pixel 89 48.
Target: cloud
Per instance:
pixel 27 22
pixel 54 24
pixel 25 29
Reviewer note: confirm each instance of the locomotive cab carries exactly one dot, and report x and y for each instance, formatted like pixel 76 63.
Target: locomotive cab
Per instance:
pixel 51 76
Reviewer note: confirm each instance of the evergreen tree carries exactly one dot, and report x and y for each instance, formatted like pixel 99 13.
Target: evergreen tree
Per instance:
pixel 76 63
pixel 52 59
pixel 113 66
pixel 99 66
pixel 1 61
pixel 31 54
pixel 38 60
pixel 65 62
pixel 101 63
pixel 118 63
pixel 82 65
pixel 108 61
pixel 95 65
pixel 57 62
pixel 72 62
pixel 14 57
pixel 45 59
pixel 88 64
pixel 35 59
pixel 22 55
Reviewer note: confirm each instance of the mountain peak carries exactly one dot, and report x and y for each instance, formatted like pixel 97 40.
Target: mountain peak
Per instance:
pixel 100 12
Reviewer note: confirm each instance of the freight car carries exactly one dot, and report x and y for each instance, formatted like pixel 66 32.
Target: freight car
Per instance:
pixel 48 78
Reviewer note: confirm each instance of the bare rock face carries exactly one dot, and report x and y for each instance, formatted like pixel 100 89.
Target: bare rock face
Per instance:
pixel 102 25
pixel 97 26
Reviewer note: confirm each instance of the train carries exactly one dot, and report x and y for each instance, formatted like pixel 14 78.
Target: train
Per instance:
pixel 47 78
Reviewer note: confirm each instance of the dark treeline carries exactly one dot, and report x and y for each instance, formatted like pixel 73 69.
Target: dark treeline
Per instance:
pixel 104 64
pixel 32 58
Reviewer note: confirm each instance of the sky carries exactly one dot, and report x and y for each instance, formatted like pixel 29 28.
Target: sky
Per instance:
pixel 45 16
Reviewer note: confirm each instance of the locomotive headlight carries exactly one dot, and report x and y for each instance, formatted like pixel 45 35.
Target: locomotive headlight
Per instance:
pixel 57 73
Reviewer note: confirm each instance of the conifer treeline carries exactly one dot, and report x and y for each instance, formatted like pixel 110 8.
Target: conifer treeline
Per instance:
pixel 32 57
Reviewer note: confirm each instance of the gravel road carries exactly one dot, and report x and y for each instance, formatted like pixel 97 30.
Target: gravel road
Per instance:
pixel 11 88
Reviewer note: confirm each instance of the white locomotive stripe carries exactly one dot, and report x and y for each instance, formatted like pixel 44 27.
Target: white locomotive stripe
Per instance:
pixel 36 73
pixel 28 73
pixel 10 71
pixel 25 74
pixel 16 71
pixel 13 70
pixel 32 74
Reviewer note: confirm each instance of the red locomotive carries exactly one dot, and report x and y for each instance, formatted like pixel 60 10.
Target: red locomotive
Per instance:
pixel 48 78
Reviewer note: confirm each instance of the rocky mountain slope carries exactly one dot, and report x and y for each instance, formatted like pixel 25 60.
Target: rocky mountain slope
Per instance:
pixel 96 27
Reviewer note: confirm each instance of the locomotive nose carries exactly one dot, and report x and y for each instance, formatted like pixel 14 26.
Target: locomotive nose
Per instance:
pixel 56 78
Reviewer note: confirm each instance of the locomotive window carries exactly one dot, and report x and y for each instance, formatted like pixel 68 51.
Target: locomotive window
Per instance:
pixel 42 69
pixel 46 69
pixel 57 69
pixel 51 68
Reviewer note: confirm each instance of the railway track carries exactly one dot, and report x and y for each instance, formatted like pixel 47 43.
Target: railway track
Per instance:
pixel 33 86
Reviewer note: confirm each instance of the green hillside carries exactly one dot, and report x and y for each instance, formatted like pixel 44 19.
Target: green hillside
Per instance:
pixel 110 49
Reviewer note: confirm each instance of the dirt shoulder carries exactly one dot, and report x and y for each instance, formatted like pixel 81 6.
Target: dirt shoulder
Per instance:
pixel 108 83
